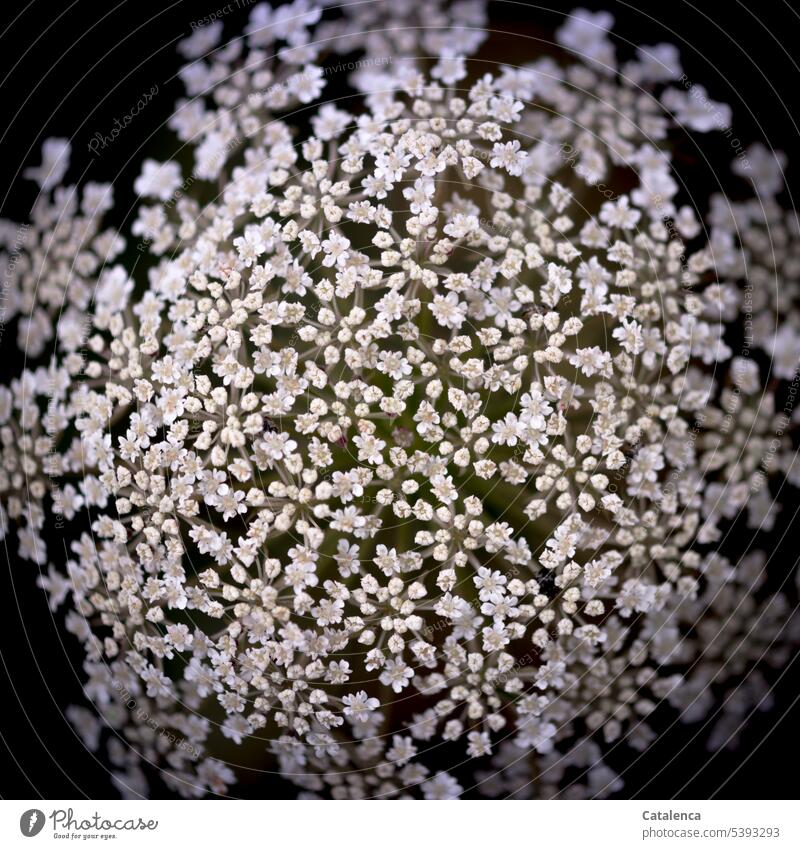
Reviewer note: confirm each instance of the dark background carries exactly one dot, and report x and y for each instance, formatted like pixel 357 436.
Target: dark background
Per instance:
pixel 69 69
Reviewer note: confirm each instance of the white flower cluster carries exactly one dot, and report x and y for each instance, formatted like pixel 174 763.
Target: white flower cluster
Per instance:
pixel 418 437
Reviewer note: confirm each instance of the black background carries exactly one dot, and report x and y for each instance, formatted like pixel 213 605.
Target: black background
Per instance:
pixel 69 69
